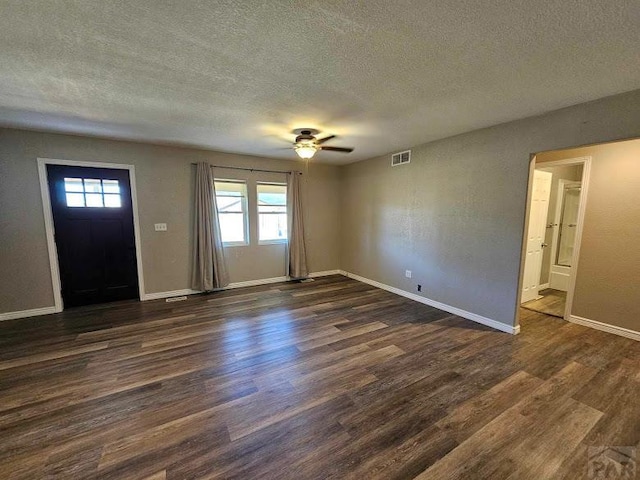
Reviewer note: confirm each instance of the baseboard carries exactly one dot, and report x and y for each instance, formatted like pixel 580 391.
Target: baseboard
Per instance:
pixel 172 293
pixel 605 327
pixel 27 313
pixel 544 286
pixel 441 306
pixel 326 273
pixel 255 283
pixel 248 283
pixel 266 281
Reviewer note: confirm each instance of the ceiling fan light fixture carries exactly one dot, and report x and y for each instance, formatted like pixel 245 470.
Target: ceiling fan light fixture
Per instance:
pixel 306 150
pixel 307 144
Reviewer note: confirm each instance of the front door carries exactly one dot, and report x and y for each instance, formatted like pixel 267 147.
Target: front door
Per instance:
pixel 540 193
pixel 94 233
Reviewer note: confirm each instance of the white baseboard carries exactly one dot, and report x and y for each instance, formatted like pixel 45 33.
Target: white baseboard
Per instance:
pixel 266 281
pixel 254 283
pixel 27 313
pixel 326 273
pixel 605 327
pixel 172 293
pixel 544 286
pixel 441 306
pixel 248 283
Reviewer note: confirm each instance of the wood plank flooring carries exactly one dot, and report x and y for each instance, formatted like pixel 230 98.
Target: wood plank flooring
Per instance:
pixel 326 379
pixel 551 303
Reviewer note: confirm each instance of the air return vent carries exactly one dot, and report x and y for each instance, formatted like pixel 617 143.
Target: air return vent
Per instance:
pixel 400 158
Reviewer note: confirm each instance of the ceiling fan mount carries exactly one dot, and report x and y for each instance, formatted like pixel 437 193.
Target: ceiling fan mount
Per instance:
pixel 305 131
pixel 307 144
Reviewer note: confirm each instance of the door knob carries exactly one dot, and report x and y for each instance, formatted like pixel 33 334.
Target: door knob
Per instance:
pixel 544 245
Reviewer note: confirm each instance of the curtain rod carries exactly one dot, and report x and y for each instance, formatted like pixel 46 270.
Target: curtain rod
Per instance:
pixel 250 169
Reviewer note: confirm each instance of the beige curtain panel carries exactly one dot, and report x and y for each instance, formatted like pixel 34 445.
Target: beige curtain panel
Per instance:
pixel 297 252
pixel 209 265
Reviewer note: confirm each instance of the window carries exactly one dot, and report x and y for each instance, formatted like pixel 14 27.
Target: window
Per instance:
pixel 92 192
pixel 272 212
pixel 231 201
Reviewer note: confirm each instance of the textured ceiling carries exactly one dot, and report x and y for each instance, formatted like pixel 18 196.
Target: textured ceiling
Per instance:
pixel 240 75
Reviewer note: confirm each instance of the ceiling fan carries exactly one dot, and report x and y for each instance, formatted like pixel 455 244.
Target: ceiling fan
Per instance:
pixel 306 144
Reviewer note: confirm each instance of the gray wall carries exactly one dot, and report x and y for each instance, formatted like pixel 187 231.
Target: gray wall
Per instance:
pixel 608 274
pixel 455 214
pixel 562 172
pixel 164 183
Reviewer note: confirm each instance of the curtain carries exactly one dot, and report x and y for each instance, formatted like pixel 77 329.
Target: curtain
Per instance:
pixel 209 265
pixel 297 252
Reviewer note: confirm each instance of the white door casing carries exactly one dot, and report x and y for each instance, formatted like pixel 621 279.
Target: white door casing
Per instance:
pixel 541 190
pixel 48 221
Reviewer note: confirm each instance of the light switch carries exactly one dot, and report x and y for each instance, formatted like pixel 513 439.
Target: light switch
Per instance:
pixel 161 227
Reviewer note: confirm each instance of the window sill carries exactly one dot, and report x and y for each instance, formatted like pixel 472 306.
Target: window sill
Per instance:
pixel 235 244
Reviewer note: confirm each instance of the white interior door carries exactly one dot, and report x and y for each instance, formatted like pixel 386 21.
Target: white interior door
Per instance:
pixel 535 234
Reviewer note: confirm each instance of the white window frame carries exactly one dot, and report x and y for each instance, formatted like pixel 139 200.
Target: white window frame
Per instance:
pixel 275 241
pixel 245 211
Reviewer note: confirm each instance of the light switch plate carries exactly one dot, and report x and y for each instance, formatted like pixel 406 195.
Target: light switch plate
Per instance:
pixel 160 227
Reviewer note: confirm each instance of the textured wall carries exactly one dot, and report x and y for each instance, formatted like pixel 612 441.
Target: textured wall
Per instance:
pixel 164 183
pixel 455 214
pixel 608 275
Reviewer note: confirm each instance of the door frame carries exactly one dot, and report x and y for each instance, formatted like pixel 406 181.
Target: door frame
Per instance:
pixel 586 173
pixel 49 227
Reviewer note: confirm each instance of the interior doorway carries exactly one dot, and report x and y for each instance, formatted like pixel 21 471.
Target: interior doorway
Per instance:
pixel 93 233
pixel 556 200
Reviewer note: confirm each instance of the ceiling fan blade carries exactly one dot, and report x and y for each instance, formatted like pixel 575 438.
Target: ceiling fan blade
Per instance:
pixel 320 141
pixel 337 149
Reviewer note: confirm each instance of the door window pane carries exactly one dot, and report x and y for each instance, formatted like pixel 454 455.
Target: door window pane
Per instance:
pixel 75 199
pixel 92 192
pixel 112 201
pixel 110 186
pixel 94 200
pixel 73 185
pixel 92 185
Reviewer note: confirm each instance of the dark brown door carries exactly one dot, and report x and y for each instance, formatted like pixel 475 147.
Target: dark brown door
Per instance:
pixel 93 221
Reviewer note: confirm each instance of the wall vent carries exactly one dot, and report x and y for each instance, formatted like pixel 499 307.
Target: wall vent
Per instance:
pixel 400 158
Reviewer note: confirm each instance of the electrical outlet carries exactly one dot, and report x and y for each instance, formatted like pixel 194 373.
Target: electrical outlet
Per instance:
pixel 160 227
pixel 419 288
pixel 407 273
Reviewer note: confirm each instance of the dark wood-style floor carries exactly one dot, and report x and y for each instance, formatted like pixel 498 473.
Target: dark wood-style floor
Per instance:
pixel 551 303
pixel 327 379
